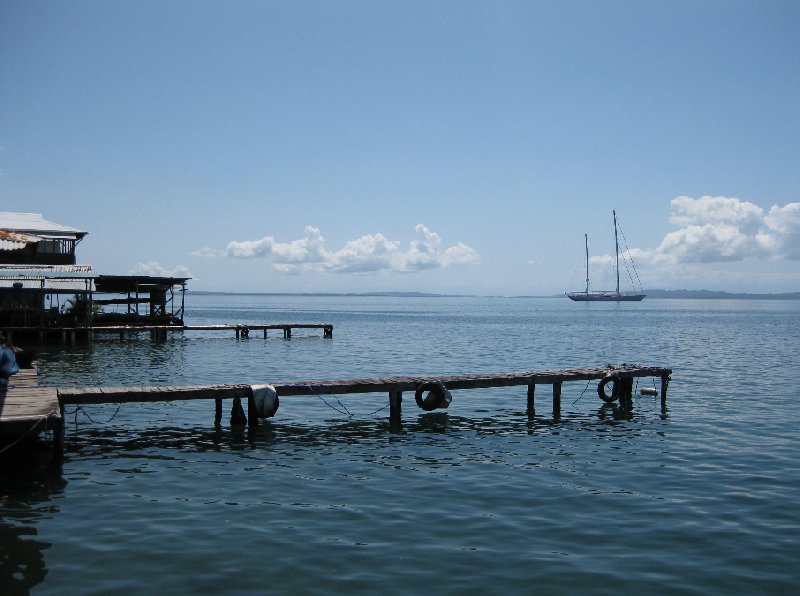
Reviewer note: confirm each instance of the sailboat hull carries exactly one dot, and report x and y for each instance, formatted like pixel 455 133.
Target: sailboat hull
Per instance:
pixel 605 296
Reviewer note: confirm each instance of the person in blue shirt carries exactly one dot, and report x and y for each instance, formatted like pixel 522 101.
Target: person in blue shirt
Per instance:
pixel 8 361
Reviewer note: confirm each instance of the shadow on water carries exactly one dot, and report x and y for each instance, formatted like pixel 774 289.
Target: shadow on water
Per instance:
pixel 29 486
pixel 92 440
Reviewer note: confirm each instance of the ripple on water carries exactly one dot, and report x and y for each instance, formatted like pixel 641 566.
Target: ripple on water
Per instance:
pixel 700 496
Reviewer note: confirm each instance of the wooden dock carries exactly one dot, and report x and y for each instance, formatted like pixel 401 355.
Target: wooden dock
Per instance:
pixel 26 410
pixel 242 330
pixel 423 387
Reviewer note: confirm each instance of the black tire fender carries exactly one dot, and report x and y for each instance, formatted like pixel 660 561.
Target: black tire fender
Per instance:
pixel 616 388
pixel 434 397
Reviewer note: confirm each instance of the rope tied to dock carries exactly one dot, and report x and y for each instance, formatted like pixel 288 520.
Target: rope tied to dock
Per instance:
pixel 589 382
pixel 85 413
pixel 29 431
pixel 344 409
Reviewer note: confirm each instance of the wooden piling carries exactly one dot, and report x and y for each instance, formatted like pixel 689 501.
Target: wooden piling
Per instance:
pixel 531 398
pixel 665 379
pixel 218 411
pixel 252 411
pixel 395 404
pixel 557 395
pixel 237 412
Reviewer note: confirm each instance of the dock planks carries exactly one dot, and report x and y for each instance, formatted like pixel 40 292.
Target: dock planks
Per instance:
pixel 26 409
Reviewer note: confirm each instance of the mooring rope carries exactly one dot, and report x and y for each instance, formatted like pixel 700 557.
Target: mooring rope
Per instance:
pixel 582 392
pixel 344 409
pixel 378 410
pixel 85 413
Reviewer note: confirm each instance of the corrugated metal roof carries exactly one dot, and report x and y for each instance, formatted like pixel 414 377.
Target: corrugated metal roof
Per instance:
pixel 54 285
pixel 45 268
pixel 36 224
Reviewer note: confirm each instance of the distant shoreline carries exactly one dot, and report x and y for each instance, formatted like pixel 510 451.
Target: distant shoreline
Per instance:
pixel 718 295
pixel 651 294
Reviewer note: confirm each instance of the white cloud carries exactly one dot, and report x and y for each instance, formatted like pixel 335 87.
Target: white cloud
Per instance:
pixel 785 225
pixel 155 269
pixel 305 251
pixel 742 215
pixel 206 252
pixel 726 229
pixel 368 254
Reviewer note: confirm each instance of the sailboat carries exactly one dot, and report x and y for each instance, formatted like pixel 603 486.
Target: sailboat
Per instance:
pixel 605 295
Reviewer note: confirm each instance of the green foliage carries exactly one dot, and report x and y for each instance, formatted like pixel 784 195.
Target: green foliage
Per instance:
pixel 84 310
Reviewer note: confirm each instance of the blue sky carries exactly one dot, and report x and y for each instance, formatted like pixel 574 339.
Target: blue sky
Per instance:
pixel 457 147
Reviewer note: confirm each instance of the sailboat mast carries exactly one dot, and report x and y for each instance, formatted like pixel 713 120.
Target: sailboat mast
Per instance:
pixel 586 240
pixel 616 247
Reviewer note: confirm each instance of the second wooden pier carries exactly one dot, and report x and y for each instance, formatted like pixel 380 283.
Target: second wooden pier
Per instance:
pixel 241 330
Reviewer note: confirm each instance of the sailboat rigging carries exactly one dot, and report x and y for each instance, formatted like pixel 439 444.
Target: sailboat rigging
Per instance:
pixel 605 295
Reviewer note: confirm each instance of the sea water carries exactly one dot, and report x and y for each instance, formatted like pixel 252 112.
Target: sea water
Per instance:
pixel 699 496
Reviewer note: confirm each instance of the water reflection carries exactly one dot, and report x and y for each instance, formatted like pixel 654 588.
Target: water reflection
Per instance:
pixel 92 441
pixel 28 489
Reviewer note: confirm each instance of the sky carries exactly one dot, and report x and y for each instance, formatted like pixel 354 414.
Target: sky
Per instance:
pixel 458 147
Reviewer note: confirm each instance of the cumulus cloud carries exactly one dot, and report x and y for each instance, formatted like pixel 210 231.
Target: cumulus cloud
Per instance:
pixel 784 222
pixel 206 252
pixel 723 229
pixel 368 254
pixel 155 269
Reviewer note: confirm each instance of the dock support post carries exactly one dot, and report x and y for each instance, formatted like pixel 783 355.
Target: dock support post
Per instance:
pixel 531 399
pixel 237 412
pixel 626 399
pixel 395 405
pixel 252 412
pixel 217 411
pixel 557 396
pixel 287 332
pixel 265 333
pixel 237 331
pixel 664 383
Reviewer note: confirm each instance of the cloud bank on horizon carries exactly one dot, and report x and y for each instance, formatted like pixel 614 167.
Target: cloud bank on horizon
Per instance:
pixel 715 229
pixel 370 253
pixel 711 229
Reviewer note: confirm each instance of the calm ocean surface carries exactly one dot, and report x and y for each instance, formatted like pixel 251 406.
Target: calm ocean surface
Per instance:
pixel 701 497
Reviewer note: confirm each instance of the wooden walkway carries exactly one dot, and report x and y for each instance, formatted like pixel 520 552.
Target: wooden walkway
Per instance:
pixel 27 409
pixel 395 386
pixel 241 330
